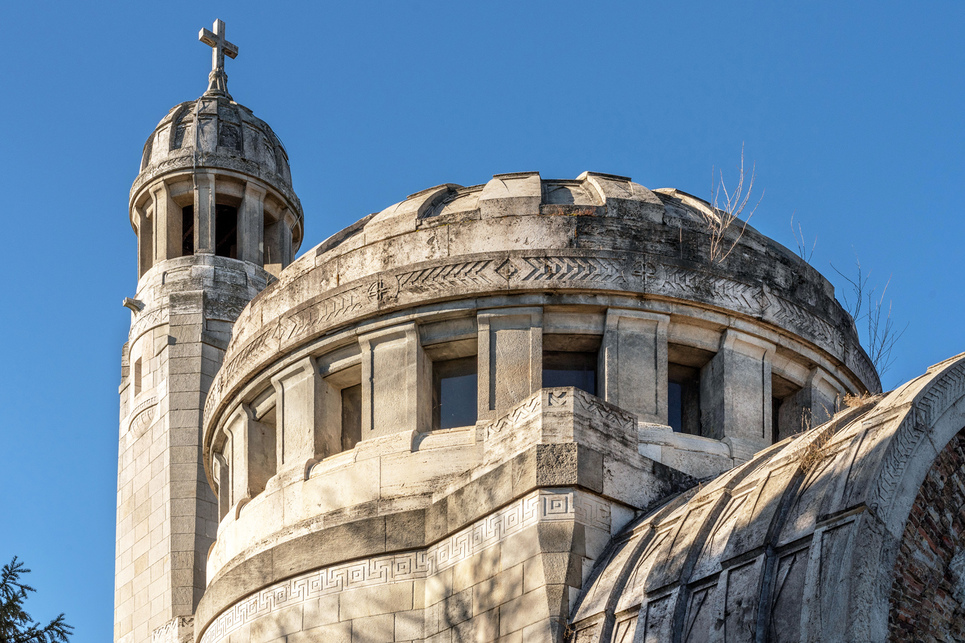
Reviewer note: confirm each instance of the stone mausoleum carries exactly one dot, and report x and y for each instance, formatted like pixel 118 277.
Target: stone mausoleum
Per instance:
pixel 527 410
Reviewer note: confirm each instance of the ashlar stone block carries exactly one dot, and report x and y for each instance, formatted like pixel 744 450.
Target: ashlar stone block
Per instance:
pixel 510 358
pixel 396 382
pixel 633 363
pixel 308 415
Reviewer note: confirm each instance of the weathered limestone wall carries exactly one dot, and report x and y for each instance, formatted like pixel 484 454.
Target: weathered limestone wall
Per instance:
pixel 485 531
pixel 519 281
pixel 166 514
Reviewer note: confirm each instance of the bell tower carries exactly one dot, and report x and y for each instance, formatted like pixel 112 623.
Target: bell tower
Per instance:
pixel 216 220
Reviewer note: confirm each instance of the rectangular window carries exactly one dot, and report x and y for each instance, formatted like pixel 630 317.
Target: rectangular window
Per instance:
pixel 454 393
pixel 570 369
pixel 683 399
pixel 187 231
pixel 226 231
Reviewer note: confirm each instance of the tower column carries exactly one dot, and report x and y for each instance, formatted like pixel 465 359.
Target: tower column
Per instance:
pixel 182 318
pixel 251 224
pixel 167 216
pixel 204 209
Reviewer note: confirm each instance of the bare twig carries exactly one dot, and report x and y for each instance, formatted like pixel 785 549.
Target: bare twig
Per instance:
pixel 726 208
pixel 802 249
pixel 882 335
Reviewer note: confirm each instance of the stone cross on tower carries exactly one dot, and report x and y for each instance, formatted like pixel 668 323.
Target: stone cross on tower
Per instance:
pixel 218 79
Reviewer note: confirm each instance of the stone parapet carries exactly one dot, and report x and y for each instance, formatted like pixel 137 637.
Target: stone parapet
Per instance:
pixel 597 234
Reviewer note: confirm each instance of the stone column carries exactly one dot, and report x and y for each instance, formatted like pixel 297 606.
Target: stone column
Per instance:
pixel 251 225
pixel 204 211
pixel 735 394
pixel 633 363
pixel 145 242
pixel 250 450
pixel 510 357
pixel 396 382
pixel 307 416
pixel 285 242
pixel 167 216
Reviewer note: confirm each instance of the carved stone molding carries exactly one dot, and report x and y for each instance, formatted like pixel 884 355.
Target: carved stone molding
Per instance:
pixel 539 506
pixel 574 269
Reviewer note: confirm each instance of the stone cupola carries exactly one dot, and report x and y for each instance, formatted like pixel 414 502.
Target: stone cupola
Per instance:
pixel 215 179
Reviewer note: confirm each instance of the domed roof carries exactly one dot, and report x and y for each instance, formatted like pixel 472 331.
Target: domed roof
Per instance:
pixel 520 234
pixel 230 137
pixel 804 536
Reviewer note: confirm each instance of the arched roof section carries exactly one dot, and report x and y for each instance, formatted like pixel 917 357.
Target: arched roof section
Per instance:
pixel 798 544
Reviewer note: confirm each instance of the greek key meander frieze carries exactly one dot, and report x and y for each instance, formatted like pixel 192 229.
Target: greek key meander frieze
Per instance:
pixel 631 273
pixel 539 506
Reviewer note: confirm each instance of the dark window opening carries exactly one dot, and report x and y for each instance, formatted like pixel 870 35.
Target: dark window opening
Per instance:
pixel 570 369
pixel 351 416
pixel 683 399
pixel 775 420
pixel 187 231
pixel 788 413
pixel 226 231
pixel 455 387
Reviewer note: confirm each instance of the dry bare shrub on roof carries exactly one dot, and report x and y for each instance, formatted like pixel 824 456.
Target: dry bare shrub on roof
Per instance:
pixel 726 208
pixel 818 448
pixel 802 247
pixel 856 401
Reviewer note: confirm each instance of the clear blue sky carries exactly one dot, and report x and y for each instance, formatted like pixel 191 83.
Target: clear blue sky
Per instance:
pixel 852 113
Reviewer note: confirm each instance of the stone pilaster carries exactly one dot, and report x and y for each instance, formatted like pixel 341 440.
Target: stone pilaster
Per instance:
pixel 396 382
pixel 204 213
pixel 251 223
pixel 510 357
pixel 308 413
pixel 735 393
pixel 167 216
pixel 812 406
pixel 633 363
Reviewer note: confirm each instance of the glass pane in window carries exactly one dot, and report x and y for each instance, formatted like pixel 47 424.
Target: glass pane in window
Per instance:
pixel 570 369
pixel 455 389
pixel 457 400
pixel 675 406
